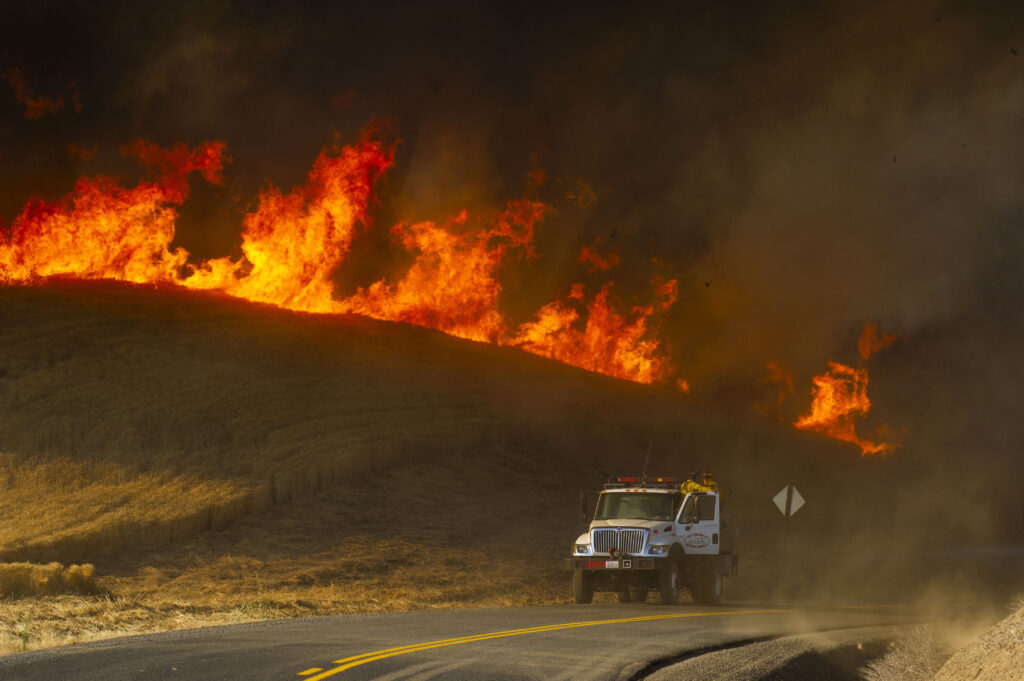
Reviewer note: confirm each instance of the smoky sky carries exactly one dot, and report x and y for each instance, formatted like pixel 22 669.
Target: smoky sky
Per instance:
pixel 801 169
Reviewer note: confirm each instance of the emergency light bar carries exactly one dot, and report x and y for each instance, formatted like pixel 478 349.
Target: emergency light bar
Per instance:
pixel 651 480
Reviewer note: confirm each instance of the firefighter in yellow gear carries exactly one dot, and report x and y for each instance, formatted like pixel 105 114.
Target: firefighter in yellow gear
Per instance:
pixel 706 484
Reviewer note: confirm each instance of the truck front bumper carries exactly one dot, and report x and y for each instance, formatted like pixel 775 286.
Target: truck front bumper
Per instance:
pixel 621 564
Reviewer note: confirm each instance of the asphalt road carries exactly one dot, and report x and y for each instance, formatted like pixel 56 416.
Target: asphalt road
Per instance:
pixel 601 641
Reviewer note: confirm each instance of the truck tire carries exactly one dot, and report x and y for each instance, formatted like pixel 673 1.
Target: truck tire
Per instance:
pixel 668 584
pixel 638 594
pixel 708 590
pixel 582 586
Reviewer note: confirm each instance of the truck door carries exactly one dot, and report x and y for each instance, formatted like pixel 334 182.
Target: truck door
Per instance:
pixel 698 524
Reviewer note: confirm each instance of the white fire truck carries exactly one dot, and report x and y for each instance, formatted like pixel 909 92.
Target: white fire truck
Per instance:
pixel 647 535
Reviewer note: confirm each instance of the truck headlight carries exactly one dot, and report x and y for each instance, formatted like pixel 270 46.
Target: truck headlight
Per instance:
pixel 583 548
pixel 657 550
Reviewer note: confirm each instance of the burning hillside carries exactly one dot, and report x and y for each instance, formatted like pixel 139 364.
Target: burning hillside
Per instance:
pixel 705 202
pixel 294 242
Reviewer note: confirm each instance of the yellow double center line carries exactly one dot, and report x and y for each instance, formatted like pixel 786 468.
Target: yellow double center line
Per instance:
pixel 357 660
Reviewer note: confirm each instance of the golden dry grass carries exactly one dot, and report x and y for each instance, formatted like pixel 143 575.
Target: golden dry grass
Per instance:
pixel 31 579
pixel 53 509
pixel 219 462
pixel 38 622
pixel 148 416
pixel 482 533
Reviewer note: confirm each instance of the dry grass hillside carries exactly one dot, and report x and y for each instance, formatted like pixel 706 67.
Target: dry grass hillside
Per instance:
pixel 218 461
pixel 145 417
pixel 996 655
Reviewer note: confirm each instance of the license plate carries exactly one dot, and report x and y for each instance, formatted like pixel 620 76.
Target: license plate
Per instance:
pixel 611 563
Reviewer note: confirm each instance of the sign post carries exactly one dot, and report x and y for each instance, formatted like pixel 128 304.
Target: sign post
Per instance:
pixel 789 502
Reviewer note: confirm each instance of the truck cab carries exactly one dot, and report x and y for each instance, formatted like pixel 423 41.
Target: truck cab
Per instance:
pixel 649 535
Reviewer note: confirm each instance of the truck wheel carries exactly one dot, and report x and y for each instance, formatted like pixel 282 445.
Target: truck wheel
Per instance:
pixel 668 584
pixel 708 590
pixel 638 594
pixel 582 586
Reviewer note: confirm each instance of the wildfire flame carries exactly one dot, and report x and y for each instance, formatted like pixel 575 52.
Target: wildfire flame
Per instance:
pixel 594 260
pixel 293 242
pixel 36 105
pixel 104 231
pixel 609 343
pixel 874 339
pixel 453 284
pixel 841 394
pixel 778 381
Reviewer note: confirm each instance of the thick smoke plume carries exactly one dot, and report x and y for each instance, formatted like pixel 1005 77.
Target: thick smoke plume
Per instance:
pixel 798 171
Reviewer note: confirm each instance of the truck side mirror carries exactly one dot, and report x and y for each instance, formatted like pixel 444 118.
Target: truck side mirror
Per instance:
pixel 583 507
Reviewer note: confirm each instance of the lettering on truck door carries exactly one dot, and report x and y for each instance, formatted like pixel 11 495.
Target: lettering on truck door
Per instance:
pixel 697 524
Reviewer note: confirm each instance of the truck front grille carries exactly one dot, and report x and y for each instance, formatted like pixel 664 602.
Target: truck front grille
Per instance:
pixel 627 541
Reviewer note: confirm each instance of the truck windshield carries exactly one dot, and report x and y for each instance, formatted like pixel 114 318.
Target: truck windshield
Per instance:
pixel 638 506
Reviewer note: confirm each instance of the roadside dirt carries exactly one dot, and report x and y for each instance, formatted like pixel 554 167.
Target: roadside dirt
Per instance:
pixel 830 656
pixel 996 655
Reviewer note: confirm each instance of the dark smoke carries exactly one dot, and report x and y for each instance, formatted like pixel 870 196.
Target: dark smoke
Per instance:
pixel 800 170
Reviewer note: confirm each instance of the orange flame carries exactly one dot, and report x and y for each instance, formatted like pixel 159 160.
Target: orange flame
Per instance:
pixel 874 339
pixel 590 257
pixel 841 393
pixel 609 342
pixel 292 244
pixel 452 285
pixel 104 231
pixel 36 105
